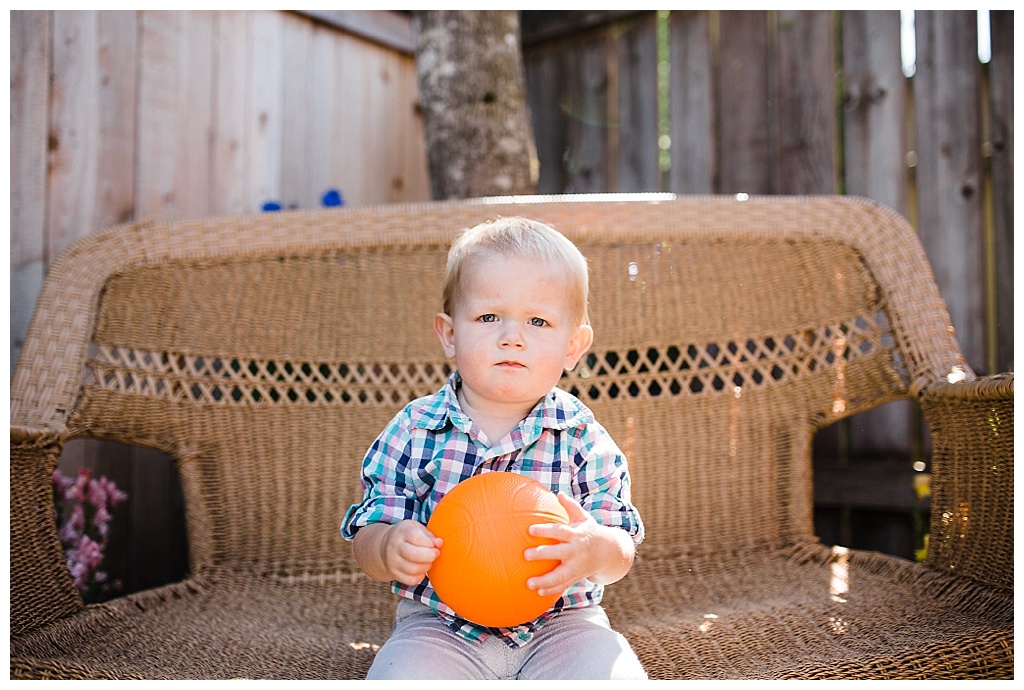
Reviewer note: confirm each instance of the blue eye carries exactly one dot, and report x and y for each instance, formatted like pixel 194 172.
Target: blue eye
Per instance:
pixel 537 321
pixel 488 318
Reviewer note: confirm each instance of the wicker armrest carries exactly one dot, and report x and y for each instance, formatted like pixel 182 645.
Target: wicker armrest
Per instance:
pixel 972 477
pixel 41 586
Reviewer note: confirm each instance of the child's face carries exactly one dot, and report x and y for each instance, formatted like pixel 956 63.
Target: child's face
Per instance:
pixel 512 333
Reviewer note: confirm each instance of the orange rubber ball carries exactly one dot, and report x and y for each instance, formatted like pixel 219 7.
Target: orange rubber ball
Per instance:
pixel 481 572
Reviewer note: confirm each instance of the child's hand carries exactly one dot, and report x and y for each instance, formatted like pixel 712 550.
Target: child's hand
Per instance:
pixel 407 550
pixel 586 550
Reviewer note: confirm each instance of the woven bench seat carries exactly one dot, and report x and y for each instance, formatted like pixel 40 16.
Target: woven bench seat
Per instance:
pixel 264 353
pixel 745 617
pixel 810 612
pixel 251 627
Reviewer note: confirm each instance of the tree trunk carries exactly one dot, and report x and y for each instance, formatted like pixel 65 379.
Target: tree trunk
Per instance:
pixel 473 91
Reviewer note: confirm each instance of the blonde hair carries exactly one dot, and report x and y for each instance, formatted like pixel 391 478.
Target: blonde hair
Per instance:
pixel 516 236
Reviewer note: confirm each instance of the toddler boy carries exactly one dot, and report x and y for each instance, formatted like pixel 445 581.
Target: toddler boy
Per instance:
pixel 514 317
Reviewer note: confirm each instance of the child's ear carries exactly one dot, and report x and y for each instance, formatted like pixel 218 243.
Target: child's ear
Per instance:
pixel 580 342
pixel 445 330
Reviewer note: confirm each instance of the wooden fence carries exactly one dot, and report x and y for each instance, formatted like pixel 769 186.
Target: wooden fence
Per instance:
pixel 125 115
pixel 119 116
pixel 800 102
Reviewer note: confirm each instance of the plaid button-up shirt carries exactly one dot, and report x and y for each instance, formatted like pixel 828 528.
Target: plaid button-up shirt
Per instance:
pixel 432 445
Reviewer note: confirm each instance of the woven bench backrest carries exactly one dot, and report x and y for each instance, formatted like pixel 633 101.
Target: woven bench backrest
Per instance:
pixel 265 353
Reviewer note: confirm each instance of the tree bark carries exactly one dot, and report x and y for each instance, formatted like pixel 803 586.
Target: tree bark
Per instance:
pixel 476 120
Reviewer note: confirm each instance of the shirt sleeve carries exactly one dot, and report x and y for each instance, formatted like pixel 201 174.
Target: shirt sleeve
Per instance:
pixel 602 482
pixel 387 496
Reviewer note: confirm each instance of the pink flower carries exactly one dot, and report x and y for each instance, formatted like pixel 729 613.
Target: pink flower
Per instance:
pixel 89 552
pixel 115 496
pixel 79 573
pixel 69 534
pixel 95 494
pixel 83 507
pixel 81 486
pixel 84 561
pixel 61 482
pixel 101 520
pixel 77 519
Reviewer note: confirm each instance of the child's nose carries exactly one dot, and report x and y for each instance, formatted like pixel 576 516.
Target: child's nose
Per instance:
pixel 512 336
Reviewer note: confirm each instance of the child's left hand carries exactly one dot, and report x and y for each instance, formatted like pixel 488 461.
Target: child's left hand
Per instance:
pixel 586 549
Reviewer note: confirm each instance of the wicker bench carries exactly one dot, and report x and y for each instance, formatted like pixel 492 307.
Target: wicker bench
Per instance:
pixel 264 353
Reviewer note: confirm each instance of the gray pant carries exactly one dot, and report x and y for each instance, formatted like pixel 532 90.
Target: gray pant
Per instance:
pixel 576 644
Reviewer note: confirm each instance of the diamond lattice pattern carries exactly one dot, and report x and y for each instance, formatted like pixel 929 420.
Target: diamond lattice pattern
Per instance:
pixel 654 371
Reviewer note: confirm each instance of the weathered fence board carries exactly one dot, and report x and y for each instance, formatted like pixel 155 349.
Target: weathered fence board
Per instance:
pixel 589 110
pixel 229 141
pixel 746 119
pixel 581 101
pixel 265 84
pixel 875 109
pixel 636 133
pixel 305 69
pixel 1001 138
pixel 805 103
pixel 92 125
pixel 949 186
pixel 370 166
pixel 691 104
pixel 175 114
pixel 544 89
pixel 30 83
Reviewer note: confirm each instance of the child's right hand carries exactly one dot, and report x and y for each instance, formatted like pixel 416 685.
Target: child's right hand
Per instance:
pixel 407 550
